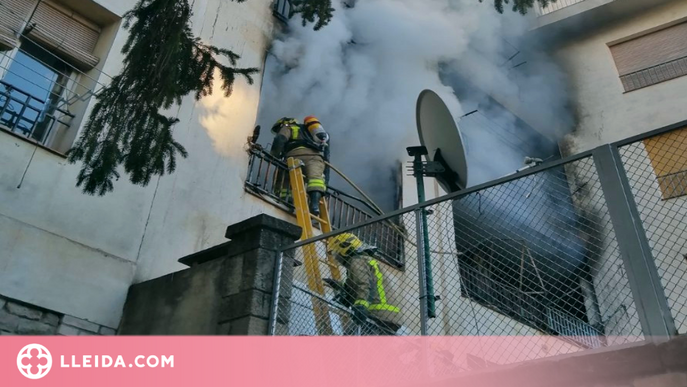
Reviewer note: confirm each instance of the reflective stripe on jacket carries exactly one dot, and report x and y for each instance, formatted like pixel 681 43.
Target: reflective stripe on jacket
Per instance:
pixel 365 282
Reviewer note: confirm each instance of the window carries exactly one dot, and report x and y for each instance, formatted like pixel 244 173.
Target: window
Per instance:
pixel 503 275
pixel 282 10
pixel 267 179
pixel 44 47
pixel 652 58
pixel 669 160
pixel 30 94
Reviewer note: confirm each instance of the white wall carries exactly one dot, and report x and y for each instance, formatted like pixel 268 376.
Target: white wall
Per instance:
pixel 604 111
pixel 78 254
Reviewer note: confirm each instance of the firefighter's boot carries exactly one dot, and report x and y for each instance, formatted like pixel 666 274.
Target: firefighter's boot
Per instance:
pixel 314 202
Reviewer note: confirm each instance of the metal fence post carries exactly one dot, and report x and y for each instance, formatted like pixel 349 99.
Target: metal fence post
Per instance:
pixel 645 283
pixel 421 270
pixel 276 290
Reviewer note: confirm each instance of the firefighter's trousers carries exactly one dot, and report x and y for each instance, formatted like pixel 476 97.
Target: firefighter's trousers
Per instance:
pixel 313 170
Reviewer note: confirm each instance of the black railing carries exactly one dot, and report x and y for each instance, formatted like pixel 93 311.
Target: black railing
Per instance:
pixel 530 309
pixel 30 116
pixel 555 6
pixel 268 179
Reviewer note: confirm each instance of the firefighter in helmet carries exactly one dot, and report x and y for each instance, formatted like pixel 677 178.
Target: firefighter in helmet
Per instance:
pixel 308 143
pixel 365 290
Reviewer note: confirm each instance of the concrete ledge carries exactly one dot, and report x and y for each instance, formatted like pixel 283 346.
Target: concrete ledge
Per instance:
pixel 263 222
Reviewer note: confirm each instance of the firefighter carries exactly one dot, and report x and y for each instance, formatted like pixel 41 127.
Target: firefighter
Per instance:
pixel 307 143
pixel 365 290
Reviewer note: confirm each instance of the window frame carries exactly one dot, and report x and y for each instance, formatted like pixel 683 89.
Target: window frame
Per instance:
pixel 50 106
pixel 79 84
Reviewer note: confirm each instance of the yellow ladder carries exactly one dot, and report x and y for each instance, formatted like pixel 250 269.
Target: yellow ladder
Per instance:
pixel 310 254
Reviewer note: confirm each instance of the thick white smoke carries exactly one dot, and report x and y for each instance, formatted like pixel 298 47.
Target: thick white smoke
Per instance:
pixel 361 76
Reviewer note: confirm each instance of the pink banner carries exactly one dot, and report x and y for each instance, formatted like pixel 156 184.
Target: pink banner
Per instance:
pixel 264 361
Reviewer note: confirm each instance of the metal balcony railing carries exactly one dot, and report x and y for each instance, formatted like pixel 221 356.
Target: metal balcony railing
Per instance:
pixel 555 6
pixel 268 179
pixel 584 252
pixel 19 114
pixel 39 89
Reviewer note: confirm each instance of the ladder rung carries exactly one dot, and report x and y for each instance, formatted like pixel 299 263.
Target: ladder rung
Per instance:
pixel 317 218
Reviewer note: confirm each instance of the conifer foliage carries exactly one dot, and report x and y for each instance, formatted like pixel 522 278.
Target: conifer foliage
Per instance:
pixel 310 10
pixel 163 63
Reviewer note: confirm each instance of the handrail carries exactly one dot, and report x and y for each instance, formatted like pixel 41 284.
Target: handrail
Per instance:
pixel 11 88
pixel 267 177
pixel 13 122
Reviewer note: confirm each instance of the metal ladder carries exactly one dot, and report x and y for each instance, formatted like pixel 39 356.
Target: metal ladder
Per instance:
pixel 311 257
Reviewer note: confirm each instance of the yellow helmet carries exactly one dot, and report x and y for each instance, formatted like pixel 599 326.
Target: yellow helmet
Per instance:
pixel 343 245
pixel 281 122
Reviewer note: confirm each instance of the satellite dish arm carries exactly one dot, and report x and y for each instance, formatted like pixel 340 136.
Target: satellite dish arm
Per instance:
pixel 448 177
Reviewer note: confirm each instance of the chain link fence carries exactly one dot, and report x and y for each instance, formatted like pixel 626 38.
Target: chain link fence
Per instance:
pixel 542 257
pixel 657 173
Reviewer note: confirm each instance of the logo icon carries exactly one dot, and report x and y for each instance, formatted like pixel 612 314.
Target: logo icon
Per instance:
pixel 34 361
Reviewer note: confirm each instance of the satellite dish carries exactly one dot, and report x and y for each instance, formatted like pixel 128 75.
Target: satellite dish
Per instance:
pixel 441 136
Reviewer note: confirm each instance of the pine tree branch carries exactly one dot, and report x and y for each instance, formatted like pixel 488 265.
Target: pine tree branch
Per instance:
pixel 163 63
pixel 310 10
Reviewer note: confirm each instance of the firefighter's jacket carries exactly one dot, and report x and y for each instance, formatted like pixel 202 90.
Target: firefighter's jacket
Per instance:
pixel 366 285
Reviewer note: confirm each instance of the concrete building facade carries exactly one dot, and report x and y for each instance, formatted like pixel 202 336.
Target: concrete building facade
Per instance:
pixel 626 64
pixel 74 256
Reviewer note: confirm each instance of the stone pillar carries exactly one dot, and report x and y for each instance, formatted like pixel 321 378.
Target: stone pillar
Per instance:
pixel 227 289
pixel 247 287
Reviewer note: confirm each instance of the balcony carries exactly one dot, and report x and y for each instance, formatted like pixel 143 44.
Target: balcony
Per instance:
pixel 41 95
pixel 553 7
pixel 267 179
pixel 566 19
pixel 28 115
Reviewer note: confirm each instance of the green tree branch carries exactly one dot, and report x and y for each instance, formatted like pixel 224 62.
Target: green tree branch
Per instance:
pixel 164 62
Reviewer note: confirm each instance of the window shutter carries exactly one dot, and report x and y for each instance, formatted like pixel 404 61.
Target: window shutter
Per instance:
pixel 66 33
pixel 652 58
pixel 13 16
pixel 669 160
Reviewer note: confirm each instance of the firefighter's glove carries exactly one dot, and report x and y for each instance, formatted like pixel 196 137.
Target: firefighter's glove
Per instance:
pixel 359 314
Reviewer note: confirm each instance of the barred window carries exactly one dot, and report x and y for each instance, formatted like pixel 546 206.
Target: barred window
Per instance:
pixel 45 48
pixel 669 160
pixel 652 58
